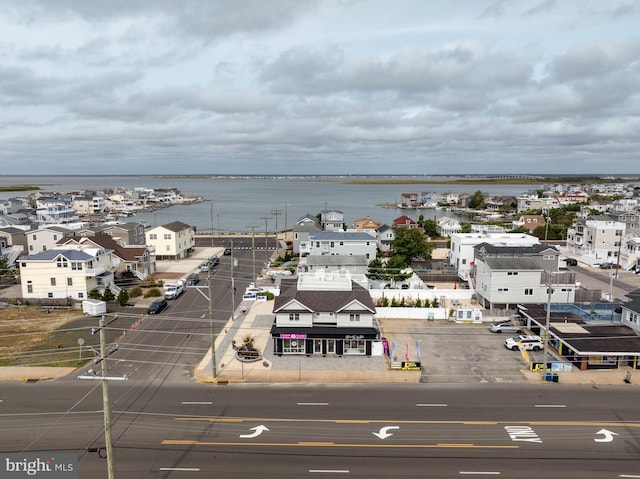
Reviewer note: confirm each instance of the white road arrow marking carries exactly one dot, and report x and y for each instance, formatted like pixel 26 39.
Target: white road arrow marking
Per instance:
pixel 256 432
pixel 383 433
pixel 608 436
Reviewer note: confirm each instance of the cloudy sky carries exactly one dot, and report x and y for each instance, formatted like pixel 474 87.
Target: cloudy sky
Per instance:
pixel 312 86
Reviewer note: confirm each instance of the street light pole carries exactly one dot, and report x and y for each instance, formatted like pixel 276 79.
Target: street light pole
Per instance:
pixel 548 320
pixel 266 240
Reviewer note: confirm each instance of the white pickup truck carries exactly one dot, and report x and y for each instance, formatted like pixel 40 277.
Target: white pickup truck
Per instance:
pixel 173 290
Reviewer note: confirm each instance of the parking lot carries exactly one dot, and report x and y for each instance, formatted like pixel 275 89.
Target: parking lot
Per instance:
pixel 456 353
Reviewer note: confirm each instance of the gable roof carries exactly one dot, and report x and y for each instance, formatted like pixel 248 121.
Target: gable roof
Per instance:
pixel 328 301
pixel 49 255
pixel 177 226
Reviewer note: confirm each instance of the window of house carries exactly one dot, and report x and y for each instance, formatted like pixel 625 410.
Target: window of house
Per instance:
pixel 294 316
pixel 49 295
pixel 34 237
pixel 62 263
pixel 53 281
pixel 29 286
pixel 69 281
pixel 167 236
pixel 293 346
pixel 354 317
pixel 80 295
pixel 503 290
pixel 528 291
pixel 153 236
pixel 354 346
pixel 76 266
pixel 512 273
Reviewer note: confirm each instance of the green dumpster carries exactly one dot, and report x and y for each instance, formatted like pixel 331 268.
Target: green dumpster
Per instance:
pixel 555 377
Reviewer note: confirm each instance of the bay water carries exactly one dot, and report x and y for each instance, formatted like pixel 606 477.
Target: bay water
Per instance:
pixel 241 203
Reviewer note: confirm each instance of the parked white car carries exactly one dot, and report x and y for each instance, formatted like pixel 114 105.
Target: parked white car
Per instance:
pixel 530 343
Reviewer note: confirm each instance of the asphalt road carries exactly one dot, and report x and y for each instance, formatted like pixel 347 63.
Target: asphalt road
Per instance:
pixel 198 430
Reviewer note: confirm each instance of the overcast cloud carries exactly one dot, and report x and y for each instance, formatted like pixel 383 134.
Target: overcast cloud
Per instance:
pixel 312 87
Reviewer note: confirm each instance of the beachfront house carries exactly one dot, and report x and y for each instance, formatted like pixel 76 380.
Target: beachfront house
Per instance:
pixel 172 241
pixel 323 315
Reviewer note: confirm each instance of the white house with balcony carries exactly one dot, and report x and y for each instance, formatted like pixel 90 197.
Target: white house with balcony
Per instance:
pixel 505 277
pixel 461 253
pixel 70 271
pixel 56 210
pixel 175 240
pixel 338 251
pixel 597 239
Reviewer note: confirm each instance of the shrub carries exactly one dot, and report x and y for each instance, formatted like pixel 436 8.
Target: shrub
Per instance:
pixel 94 294
pixel 418 303
pixel 135 292
pixel 153 293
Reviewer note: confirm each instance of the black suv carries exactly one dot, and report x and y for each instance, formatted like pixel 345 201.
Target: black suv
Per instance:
pixel 227 251
pixel 192 279
pixel 157 306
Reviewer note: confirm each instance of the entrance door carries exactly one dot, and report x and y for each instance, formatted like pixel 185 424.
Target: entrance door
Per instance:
pixel 331 346
pixel 317 346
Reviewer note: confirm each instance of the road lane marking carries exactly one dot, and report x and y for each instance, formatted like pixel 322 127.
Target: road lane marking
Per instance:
pixel 479 473
pixel 190 403
pixel 181 469
pixel 431 405
pixel 550 405
pixel 629 476
pixel 313 404
pixel 329 471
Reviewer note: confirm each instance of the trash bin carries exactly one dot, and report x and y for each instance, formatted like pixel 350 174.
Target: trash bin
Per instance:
pixel 548 377
pixel 555 377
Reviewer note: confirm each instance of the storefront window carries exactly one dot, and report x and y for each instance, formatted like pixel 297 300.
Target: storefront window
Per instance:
pixel 354 346
pixel 293 346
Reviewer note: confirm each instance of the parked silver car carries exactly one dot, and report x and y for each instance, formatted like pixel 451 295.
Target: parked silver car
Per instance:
pixel 504 327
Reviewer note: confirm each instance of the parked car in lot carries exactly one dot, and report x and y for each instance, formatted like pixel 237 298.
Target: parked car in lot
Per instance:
pixel 214 260
pixel 530 343
pixel 572 262
pixel 204 267
pixel 192 279
pixel 157 306
pixel 504 327
pixel 227 251
pixel 608 265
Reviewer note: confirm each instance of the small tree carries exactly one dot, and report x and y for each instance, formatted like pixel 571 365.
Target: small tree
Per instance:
pixel 418 303
pixel 108 294
pixel 384 302
pixel 123 297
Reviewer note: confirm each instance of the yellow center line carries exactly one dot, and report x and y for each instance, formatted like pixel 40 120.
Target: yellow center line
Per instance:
pixel 172 442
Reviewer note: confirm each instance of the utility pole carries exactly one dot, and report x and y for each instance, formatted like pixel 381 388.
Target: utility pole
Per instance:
pixel 266 239
pixel 548 283
pixel 276 213
pixel 105 392
pixel 212 224
pixel 285 218
pixel 233 286
pixel 253 251
pixel 214 373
